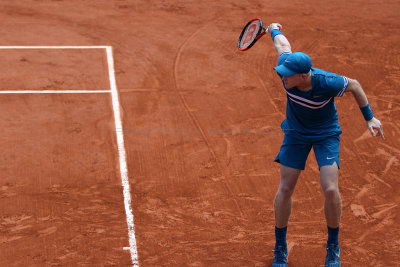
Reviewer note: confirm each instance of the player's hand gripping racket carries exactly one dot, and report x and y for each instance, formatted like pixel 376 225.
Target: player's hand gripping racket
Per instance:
pixel 253 31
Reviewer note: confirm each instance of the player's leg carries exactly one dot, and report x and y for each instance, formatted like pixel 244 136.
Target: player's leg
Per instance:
pixel 292 158
pixel 283 198
pixel 330 188
pixel 327 155
pixel 282 210
pixel 333 211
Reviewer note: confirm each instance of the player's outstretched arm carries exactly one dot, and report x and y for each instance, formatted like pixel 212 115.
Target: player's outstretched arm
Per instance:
pixel 281 43
pixel 372 123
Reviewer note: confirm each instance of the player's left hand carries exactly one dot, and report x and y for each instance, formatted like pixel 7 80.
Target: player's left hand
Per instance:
pixel 373 124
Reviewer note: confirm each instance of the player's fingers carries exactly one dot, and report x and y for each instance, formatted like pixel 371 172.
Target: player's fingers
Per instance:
pixel 274 26
pixel 371 129
pixel 380 131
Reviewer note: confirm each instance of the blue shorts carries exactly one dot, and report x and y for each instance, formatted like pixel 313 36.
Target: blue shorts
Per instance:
pixel 295 149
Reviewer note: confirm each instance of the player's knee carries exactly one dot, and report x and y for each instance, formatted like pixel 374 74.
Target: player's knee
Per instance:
pixel 331 193
pixel 285 191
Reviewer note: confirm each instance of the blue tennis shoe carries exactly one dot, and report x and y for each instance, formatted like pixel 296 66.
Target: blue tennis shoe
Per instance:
pixel 280 255
pixel 332 256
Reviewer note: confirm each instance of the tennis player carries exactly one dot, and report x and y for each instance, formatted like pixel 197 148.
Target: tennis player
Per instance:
pixel 311 122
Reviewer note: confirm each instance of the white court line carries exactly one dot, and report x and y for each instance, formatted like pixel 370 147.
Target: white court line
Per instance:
pixel 122 159
pixel 56 92
pixel 53 47
pixel 118 125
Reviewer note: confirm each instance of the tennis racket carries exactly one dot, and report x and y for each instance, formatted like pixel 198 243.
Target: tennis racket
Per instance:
pixel 253 31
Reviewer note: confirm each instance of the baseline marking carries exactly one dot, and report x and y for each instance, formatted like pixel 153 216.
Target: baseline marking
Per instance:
pixel 122 159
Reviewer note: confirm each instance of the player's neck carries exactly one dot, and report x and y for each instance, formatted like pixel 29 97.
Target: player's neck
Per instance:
pixel 306 85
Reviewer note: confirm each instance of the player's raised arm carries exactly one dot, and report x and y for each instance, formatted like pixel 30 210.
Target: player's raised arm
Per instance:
pixel 281 43
pixel 372 123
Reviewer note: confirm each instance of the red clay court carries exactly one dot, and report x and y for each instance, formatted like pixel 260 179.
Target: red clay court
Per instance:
pixel 134 133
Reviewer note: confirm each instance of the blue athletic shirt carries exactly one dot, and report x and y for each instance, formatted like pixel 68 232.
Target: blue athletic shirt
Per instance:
pixel 313 113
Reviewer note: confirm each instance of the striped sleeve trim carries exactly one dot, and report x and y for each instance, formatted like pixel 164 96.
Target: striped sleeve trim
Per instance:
pixel 346 84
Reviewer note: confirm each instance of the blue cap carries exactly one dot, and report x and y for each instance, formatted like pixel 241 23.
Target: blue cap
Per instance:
pixel 295 63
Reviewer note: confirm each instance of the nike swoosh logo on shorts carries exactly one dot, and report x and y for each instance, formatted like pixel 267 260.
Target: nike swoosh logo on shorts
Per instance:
pixel 330 158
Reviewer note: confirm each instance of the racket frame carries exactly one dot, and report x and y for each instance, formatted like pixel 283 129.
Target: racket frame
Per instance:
pixel 260 33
